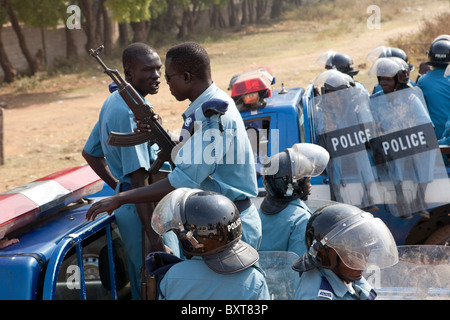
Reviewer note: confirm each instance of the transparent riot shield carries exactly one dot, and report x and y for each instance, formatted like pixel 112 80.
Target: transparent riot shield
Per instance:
pixel 344 126
pixel 409 168
pixel 315 204
pixel 280 277
pixel 422 273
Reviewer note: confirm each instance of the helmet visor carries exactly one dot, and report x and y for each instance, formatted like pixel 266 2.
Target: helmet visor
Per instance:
pixel 385 67
pixel 333 80
pixel 167 214
pixel 363 240
pixel 313 161
pixel 378 52
pixel 325 59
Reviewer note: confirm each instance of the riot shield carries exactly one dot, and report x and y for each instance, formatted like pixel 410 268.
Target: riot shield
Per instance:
pixel 280 277
pixel 315 204
pixel 422 273
pixel 344 126
pixel 410 171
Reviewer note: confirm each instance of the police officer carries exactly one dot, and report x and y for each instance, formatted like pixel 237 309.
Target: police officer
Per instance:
pixel 341 62
pixel 219 264
pixel 385 52
pixel 215 154
pixel 286 178
pixel 393 75
pixel 341 241
pixel 339 109
pixel 436 87
pixel 124 168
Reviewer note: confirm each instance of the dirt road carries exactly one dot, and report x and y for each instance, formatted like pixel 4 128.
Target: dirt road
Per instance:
pixel 45 130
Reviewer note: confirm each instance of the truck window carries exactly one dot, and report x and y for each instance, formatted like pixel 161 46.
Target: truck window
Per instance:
pixel 301 122
pixel 95 269
pixel 258 134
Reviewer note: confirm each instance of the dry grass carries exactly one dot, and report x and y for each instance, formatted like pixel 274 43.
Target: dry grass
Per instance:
pixel 418 42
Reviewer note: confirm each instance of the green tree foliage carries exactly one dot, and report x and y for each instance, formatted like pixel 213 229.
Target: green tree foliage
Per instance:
pixel 130 10
pixel 43 13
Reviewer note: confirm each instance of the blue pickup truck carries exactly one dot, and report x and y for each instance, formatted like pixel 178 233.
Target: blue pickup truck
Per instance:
pixel 276 120
pixel 60 255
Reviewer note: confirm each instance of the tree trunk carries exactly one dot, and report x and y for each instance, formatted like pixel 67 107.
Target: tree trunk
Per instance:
pixel 99 35
pixel 123 34
pixel 251 12
pixel 187 23
pixel 71 48
pixel 214 20
pixel 169 17
pixel 244 19
pixel 232 14
pixel 8 69
pixel 88 24
pixel 44 47
pixel 107 29
pixel 277 9
pixel 140 30
pixel 31 60
pixel 182 28
pixel 261 7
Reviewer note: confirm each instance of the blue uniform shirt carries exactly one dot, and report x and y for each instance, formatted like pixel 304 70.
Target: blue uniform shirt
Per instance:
pixel 193 280
pixel 225 165
pixel 235 174
pixel 122 161
pixel 436 90
pixel 285 230
pixel 324 284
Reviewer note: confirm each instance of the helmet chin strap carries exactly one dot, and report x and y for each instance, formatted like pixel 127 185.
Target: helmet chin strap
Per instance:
pixel 290 190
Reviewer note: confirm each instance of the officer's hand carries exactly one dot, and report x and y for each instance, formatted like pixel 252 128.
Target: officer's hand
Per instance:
pixel 105 205
pixel 5 242
pixel 142 127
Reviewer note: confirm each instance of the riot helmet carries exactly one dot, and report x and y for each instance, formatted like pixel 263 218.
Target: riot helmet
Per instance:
pixel 333 80
pixel 386 52
pixel 442 37
pixel 207 224
pixel 349 233
pixel 339 61
pixel 439 53
pixel 391 67
pixel 284 171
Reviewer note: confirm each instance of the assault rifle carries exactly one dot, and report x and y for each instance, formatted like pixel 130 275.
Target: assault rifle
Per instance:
pixel 142 112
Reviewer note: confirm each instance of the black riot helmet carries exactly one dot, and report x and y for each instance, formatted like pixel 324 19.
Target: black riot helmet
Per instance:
pixel 284 171
pixel 339 61
pixel 439 53
pixel 386 52
pixel 353 235
pixel 207 224
pixel 332 80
